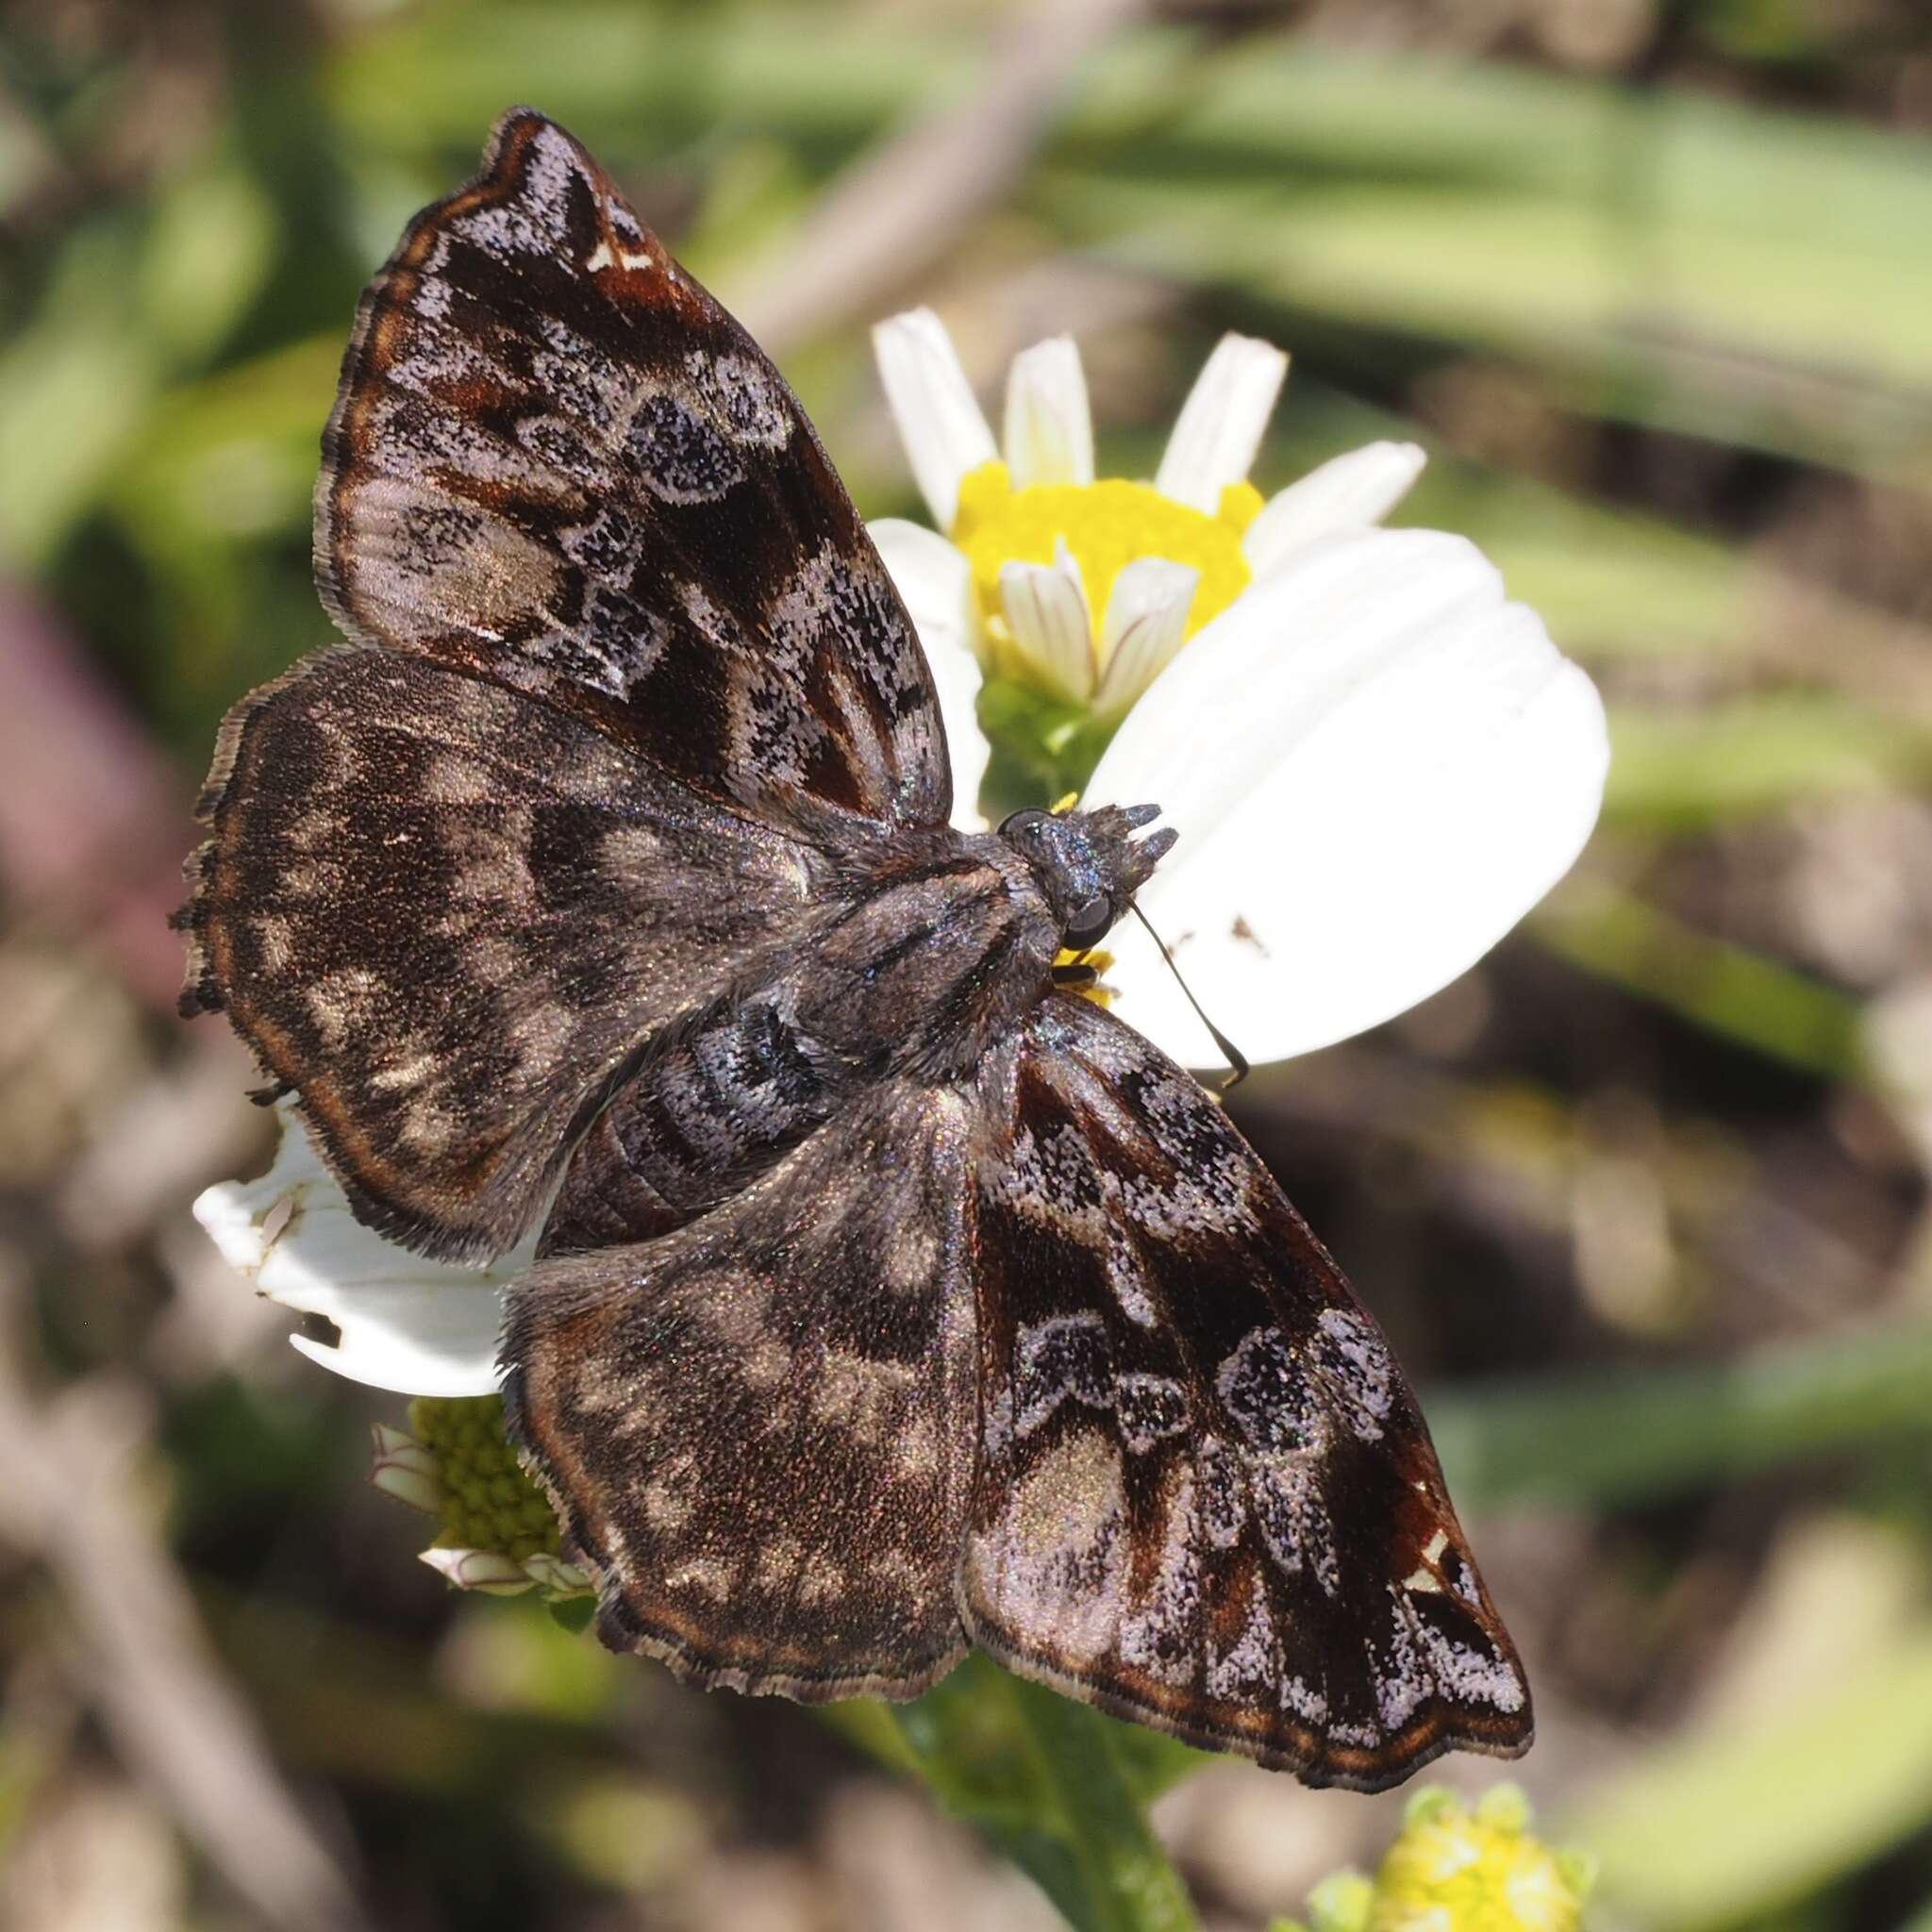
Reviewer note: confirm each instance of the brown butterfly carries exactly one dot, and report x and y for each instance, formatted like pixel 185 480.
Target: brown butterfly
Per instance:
pixel 893 1298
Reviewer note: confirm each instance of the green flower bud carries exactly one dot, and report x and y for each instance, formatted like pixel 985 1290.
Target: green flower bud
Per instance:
pixel 498 1534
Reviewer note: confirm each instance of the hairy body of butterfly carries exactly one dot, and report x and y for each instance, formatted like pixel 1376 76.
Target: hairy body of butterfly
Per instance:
pixel 890 1299
pixel 927 950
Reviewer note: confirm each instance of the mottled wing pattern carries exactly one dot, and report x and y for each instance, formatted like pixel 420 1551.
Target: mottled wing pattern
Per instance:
pixel 757 1428
pixel 1205 1498
pixel 1037 1358
pixel 557 462
pixel 445 915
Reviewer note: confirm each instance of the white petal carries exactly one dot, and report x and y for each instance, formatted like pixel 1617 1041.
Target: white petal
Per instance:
pixel 1049 428
pixel 1222 422
pixel 1377 766
pixel 489 1571
pixel 1348 492
pixel 936 582
pixel 423 1327
pixel 1146 623
pixel 940 422
pixel 417 1340
pixel 556 1577
pixel 1045 605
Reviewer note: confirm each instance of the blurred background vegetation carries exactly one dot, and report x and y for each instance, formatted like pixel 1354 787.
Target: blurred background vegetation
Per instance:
pixel 1643 1200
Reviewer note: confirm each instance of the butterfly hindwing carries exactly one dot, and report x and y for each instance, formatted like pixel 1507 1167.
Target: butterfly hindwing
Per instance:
pixel 555 460
pixel 757 1428
pixel 443 914
pixel 1044 1361
pixel 1204 1497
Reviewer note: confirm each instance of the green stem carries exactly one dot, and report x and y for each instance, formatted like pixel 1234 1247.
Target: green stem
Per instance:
pixel 1058 1788
pixel 1129 1883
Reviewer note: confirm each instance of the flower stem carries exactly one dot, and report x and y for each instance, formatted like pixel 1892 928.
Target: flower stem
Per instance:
pixel 1128 1883
pixel 1058 1788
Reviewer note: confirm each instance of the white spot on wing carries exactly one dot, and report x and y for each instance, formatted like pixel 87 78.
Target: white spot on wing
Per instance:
pixel 603 256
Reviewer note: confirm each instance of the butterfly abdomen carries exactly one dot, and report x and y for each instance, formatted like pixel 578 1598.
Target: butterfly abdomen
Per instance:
pixel 711 1105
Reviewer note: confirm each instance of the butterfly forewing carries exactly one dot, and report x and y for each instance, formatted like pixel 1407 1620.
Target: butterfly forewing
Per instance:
pixel 555 460
pixel 443 914
pixel 1205 1496
pixel 665 668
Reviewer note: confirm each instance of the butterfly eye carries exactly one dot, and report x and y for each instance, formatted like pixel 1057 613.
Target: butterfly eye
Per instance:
pixel 1089 924
pixel 1022 821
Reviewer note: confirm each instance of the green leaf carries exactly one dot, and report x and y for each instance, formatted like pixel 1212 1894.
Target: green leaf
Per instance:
pixel 206 255
pixel 1708 265
pixel 1725 988
pixel 76 387
pixel 1684 770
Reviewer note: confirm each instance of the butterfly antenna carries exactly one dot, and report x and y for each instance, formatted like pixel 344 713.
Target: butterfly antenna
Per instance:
pixel 1236 1060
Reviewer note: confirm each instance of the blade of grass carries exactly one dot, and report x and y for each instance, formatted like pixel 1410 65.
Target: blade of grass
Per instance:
pixel 1720 1828
pixel 1722 986
pixel 1626 1435
pixel 1714 266
pixel 1683 771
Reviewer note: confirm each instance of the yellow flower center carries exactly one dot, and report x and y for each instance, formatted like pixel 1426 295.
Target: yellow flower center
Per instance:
pixel 487 1502
pixel 1107 525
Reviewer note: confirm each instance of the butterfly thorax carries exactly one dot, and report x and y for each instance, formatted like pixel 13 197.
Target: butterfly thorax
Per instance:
pixel 931 948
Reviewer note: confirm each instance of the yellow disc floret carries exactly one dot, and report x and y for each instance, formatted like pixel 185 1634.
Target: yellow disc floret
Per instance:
pixel 1454 1869
pixel 1106 526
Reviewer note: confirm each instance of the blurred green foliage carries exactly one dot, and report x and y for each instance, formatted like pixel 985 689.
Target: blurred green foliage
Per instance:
pixel 1652 281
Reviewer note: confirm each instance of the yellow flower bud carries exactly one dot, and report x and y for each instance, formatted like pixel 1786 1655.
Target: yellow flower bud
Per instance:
pixel 1454 1869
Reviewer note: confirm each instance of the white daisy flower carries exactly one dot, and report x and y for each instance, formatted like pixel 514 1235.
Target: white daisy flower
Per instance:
pixel 1375 763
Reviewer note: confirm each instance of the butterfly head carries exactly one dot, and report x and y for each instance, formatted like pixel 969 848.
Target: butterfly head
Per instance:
pixel 1088 863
